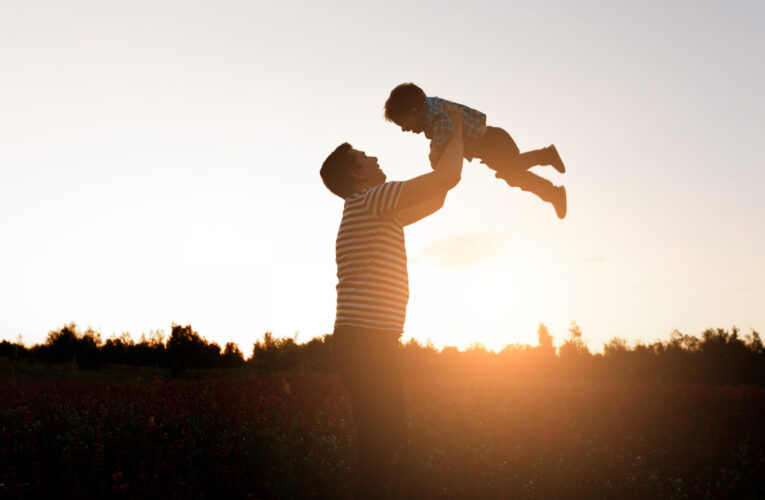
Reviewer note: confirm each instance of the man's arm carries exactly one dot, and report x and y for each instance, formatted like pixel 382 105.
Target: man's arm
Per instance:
pixel 419 212
pixel 437 183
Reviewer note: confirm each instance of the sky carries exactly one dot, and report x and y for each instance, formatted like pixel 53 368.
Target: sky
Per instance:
pixel 159 165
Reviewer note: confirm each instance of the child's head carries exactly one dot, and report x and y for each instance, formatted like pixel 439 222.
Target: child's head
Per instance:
pixel 403 106
pixel 346 170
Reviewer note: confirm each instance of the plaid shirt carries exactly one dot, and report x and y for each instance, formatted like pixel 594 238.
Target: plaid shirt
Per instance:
pixel 438 127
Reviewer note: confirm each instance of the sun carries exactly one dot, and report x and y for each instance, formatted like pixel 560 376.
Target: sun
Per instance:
pixel 491 303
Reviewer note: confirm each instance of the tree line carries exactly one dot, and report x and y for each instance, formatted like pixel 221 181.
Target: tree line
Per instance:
pixel 717 356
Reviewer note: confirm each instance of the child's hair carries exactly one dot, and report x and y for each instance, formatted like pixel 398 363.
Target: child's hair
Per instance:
pixel 402 100
pixel 335 171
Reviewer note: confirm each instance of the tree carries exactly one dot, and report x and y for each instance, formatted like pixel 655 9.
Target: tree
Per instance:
pixel 574 354
pixel 187 350
pixel 545 340
pixel 67 345
pixel 574 344
pixel 232 356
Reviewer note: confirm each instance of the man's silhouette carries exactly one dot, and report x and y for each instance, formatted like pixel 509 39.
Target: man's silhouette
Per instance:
pixel 372 293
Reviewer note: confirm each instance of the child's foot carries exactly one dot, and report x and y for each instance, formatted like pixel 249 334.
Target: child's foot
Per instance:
pixel 555 160
pixel 559 202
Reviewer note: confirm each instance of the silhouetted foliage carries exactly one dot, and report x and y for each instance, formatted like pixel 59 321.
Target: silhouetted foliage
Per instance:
pixel 187 350
pixel 574 355
pixel 232 357
pixel 316 355
pixel 545 348
pixel 148 352
pixel 67 345
pixel 14 352
pixel 273 354
pixel 718 356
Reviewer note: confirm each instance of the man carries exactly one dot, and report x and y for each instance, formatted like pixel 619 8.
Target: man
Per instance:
pixel 372 293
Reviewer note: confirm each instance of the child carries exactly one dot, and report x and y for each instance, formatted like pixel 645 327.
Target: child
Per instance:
pixel 409 108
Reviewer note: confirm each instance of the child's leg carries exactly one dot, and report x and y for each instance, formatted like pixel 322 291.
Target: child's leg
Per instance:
pixel 546 190
pixel 529 181
pixel 544 156
pixel 499 151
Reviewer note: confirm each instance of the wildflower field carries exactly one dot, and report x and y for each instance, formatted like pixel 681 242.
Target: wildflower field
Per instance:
pixel 243 435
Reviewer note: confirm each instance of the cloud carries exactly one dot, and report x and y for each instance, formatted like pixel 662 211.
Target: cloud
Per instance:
pixel 463 251
pixel 596 259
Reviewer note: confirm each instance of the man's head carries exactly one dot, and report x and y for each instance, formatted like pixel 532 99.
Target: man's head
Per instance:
pixel 347 171
pixel 404 105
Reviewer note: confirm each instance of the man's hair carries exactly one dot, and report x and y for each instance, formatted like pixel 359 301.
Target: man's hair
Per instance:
pixel 402 100
pixel 336 171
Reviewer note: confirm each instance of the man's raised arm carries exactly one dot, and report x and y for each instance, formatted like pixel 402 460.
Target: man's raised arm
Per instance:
pixel 445 176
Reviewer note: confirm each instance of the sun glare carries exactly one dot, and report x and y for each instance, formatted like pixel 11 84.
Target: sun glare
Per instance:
pixel 491 303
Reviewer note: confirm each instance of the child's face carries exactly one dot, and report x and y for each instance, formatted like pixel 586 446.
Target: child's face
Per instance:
pixel 408 123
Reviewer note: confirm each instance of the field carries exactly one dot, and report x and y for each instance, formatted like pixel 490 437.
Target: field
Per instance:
pixel 241 435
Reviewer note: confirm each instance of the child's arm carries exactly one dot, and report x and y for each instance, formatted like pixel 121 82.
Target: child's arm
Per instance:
pixel 443 128
pixel 435 155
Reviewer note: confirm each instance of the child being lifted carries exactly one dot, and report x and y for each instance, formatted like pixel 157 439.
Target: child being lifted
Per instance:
pixel 409 108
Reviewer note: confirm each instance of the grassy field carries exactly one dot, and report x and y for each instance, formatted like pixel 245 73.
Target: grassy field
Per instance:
pixel 140 434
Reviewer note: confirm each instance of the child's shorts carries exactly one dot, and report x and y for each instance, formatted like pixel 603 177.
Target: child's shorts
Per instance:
pixel 496 148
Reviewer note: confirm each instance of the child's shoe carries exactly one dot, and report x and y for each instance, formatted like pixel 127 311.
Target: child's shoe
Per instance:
pixel 555 160
pixel 559 202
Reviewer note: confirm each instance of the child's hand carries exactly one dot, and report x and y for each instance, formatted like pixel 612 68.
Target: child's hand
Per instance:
pixel 455 113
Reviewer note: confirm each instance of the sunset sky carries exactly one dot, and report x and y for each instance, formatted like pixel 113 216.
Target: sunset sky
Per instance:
pixel 159 164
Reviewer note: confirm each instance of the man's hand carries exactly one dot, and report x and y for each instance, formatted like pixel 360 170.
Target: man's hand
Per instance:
pixel 446 173
pixel 435 155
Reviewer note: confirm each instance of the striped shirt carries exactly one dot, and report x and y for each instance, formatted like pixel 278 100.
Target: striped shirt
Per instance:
pixel 438 127
pixel 373 284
